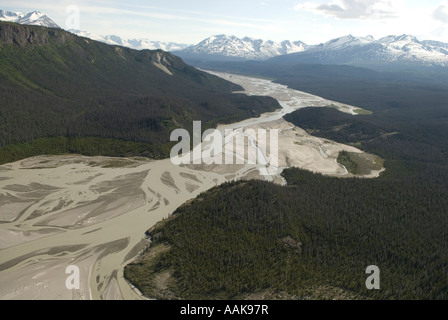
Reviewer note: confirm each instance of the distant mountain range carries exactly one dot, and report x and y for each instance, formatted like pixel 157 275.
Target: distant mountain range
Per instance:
pixel 137 44
pixel 349 50
pixel 35 18
pixel 224 46
pixel 404 50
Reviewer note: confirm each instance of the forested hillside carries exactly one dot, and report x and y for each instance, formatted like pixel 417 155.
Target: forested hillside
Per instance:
pixel 311 240
pixel 255 238
pixel 315 238
pixel 56 85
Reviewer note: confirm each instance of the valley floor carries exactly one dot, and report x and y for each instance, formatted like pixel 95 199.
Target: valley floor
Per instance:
pixel 93 212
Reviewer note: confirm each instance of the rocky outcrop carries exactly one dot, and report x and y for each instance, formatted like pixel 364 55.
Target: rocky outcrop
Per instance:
pixel 11 33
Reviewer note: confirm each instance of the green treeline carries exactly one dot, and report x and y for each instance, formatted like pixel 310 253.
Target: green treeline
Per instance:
pixel 85 146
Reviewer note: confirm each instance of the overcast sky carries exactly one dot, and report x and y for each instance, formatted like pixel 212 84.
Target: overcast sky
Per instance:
pixel 190 21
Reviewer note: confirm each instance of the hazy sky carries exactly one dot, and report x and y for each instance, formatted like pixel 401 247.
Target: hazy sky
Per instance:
pixel 190 21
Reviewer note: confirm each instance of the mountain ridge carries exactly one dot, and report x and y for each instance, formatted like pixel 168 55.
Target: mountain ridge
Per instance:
pixel 106 100
pixel 39 19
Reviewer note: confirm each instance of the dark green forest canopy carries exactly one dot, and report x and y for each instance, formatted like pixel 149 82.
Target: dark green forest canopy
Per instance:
pixel 54 84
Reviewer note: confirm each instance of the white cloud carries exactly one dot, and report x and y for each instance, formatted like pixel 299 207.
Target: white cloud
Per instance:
pixel 441 13
pixel 356 9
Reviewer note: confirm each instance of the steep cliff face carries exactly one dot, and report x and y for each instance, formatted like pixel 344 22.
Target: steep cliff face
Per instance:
pixel 11 33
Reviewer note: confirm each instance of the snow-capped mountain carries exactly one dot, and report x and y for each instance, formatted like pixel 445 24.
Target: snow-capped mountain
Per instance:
pixel 345 42
pixel 397 50
pixel 245 48
pixel 409 48
pixel 35 18
pixel 137 44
